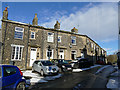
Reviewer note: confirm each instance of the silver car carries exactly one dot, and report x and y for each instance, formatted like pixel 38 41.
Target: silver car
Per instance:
pixel 45 67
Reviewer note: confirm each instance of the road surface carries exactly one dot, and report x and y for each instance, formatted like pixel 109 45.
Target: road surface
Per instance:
pixel 85 79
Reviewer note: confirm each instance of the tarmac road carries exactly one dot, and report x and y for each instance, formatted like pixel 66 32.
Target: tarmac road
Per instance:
pixel 85 79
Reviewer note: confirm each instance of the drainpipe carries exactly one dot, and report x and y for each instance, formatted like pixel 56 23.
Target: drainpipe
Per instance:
pixel 4 43
pixel 27 47
pixel 42 44
pixel 57 44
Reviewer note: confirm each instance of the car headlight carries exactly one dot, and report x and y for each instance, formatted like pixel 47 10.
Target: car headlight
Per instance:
pixel 63 66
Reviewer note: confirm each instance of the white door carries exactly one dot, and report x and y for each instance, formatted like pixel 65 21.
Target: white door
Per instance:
pixel 61 54
pixel 82 55
pixel 32 56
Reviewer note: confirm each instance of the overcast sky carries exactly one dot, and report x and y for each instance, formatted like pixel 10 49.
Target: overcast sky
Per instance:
pixel 98 20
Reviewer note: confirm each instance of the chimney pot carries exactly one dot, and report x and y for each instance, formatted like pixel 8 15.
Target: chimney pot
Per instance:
pixel 57 25
pixel 35 20
pixel 5 8
pixel 74 30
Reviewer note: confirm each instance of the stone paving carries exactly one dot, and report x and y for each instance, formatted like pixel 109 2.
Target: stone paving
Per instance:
pixel 114 80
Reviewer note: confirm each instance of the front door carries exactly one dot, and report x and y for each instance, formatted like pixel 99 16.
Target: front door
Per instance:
pixel 82 55
pixel 49 54
pixel 61 54
pixel 32 55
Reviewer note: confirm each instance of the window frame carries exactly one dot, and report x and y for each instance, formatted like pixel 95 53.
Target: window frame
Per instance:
pixel 19 31
pixel 60 38
pixel 32 34
pixel 73 38
pixel 50 36
pixel 20 52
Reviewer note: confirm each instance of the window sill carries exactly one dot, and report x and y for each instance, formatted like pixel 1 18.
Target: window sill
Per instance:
pixel 16 60
pixel 32 39
pixel 18 39
pixel 74 44
pixel 50 42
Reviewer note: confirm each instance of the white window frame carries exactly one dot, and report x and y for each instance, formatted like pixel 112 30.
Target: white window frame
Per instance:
pixel 19 31
pixel 61 51
pixel 59 37
pixel 91 45
pixel 32 34
pixel 94 46
pixel 87 42
pixel 19 46
pixel 102 52
pixel 73 38
pixel 74 53
pixel 50 38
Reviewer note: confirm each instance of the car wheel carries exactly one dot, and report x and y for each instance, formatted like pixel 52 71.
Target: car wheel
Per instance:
pixel 57 72
pixel 76 66
pixel 42 73
pixel 64 69
pixel 21 86
pixel 60 70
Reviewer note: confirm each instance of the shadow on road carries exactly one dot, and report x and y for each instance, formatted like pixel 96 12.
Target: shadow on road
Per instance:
pixel 85 79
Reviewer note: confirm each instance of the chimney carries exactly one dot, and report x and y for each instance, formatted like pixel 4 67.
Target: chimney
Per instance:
pixel 5 14
pixel 35 20
pixel 57 25
pixel 74 30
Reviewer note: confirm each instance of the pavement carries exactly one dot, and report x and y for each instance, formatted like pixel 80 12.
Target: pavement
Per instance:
pixel 114 80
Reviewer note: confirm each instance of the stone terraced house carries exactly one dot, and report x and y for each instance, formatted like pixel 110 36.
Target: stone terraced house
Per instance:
pixel 24 43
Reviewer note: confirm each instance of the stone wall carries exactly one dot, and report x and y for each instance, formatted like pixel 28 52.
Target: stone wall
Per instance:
pixel 40 42
pixel 9 40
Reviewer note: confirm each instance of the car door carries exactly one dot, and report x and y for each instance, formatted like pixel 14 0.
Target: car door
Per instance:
pixel 35 65
pixel 0 77
pixel 10 77
pixel 39 66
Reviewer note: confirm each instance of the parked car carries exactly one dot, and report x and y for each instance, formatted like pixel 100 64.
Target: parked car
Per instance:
pixel 45 67
pixel 84 63
pixel 109 63
pixel 11 78
pixel 69 61
pixel 101 62
pixel 62 64
pixel 74 64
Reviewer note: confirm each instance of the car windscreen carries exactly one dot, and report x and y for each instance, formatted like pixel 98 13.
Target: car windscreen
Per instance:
pixel 47 63
pixel 62 62
pixel 83 60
